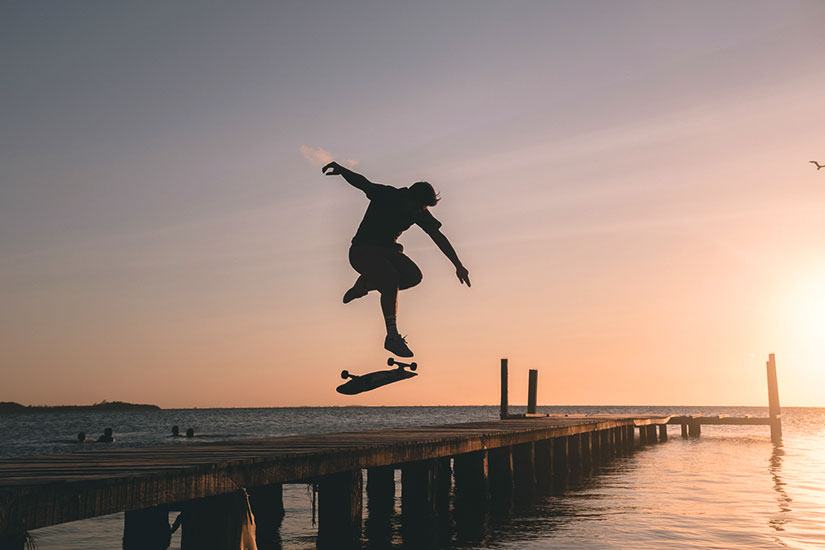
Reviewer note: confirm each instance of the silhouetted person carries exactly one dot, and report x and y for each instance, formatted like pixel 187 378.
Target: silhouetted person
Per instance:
pixel 378 258
pixel 81 438
pixel 190 432
pixel 175 431
pixel 107 436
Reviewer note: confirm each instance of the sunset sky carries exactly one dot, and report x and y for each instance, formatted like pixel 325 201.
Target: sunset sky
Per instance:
pixel 627 182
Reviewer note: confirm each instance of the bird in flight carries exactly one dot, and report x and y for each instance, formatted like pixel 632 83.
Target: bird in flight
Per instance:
pixel 818 166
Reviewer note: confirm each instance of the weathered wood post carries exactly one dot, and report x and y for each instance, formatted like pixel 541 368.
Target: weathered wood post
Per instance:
pixel 574 455
pixel 339 510
pixel 532 390
pixel 470 472
pixel 560 465
pixel 642 436
pixel 606 444
pixel 471 477
pixel 773 401
pixel 504 405
pixel 146 529
pixel 651 433
pixel 543 460
pixel 267 503
pixel 684 430
pixel 586 450
pixel 595 448
pixel 443 486
pixel 629 438
pixel 524 469
pixel 214 522
pixel 500 464
pixel 419 493
pixel 380 505
pixel 694 428
pixel 662 432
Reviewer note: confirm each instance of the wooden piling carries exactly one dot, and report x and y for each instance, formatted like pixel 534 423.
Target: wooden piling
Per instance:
pixel 651 433
pixel 629 438
pixel 340 511
pixel 662 432
pixel 773 401
pixel 504 413
pixel 524 469
pixel 574 457
pixel 267 503
pixel 595 448
pixel 380 490
pixel 500 464
pixel 684 430
pixel 642 436
pixel 543 460
pixel 694 428
pixel 13 542
pixel 586 450
pixel 560 464
pixel 146 529
pixel 470 471
pixel 213 522
pixel 606 445
pixel 419 493
pixel 443 486
pixel 532 390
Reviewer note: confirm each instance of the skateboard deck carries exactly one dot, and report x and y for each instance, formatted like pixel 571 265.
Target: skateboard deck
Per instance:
pixel 372 380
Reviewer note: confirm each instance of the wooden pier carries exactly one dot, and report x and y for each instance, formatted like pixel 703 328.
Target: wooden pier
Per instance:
pixel 483 463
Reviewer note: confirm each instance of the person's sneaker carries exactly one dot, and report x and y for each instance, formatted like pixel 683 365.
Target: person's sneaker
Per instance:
pixel 398 345
pixel 355 292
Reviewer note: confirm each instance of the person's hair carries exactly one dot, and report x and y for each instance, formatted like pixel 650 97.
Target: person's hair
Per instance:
pixel 81 436
pixel 424 193
pixel 108 431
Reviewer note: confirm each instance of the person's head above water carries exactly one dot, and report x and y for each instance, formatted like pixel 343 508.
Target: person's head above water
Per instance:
pixel 175 430
pixel 190 432
pixel 424 194
pixel 107 431
pixel 81 436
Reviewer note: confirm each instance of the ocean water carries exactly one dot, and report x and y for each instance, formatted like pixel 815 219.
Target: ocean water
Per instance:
pixel 732 488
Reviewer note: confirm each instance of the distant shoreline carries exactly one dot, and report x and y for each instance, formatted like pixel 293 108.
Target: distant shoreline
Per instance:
pixel 12 407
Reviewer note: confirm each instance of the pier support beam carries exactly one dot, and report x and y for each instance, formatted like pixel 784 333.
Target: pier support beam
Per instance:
pixel 504 412
pixel 339 511
pixel 146 529
pixel 574 455
pixel 419 492
pixel 543 460
pixel 605 444
pixel 629 438
pixel 532 390
pixel 13 542
pixel 651 433
pixel 267 504
pixel 595 448
pixel 684 430
pixel 585 441
pixel 524 469
pixel 560 466
pixel 642 436
pixel 694 428
pixel 380 505
pixel 662 432
pixel 471 481
pixel 213 522
pixel 773 401
pixel 500 463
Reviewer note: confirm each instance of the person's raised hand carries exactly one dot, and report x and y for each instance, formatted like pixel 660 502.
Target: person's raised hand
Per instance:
pixel 463 275
pixel 333 167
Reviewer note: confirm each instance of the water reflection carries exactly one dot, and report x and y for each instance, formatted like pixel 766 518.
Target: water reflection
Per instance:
pixel 783 500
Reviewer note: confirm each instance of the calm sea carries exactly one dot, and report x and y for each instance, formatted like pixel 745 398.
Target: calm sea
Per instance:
pixel 730 489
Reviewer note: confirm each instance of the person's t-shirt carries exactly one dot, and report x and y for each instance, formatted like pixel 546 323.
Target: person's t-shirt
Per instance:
pixel 391 212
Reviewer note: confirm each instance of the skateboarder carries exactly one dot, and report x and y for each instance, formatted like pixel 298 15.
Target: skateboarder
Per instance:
pixel 376 255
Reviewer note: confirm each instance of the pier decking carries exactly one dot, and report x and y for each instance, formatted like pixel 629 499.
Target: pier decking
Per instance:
pixel 46 490
pixel 480 462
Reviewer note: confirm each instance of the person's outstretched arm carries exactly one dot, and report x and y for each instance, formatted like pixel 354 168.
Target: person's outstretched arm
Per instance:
pixel 353 178
pixel 443 243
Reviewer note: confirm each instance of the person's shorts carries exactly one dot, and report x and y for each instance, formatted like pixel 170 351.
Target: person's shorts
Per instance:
pixel 384 266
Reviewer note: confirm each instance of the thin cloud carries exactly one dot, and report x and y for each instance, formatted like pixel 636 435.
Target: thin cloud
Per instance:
pixel 317 155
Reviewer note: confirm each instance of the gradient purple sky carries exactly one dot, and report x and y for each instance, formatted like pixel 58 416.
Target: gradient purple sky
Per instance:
pixel 628 183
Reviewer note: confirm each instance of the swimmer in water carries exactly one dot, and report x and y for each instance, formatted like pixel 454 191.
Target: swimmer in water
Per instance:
pixel 107 436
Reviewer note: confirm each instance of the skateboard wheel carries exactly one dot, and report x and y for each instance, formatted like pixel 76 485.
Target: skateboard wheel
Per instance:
pixel 390 361
pixel 344 374
pixel 413 366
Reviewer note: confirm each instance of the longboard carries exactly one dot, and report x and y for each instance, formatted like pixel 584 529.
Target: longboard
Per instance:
pixel 372 380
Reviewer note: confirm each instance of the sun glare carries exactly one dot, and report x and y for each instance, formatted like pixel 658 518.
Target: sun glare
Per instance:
pixel 806 325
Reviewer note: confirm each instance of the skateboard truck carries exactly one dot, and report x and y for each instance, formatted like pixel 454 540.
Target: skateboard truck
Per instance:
pixel 391 362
